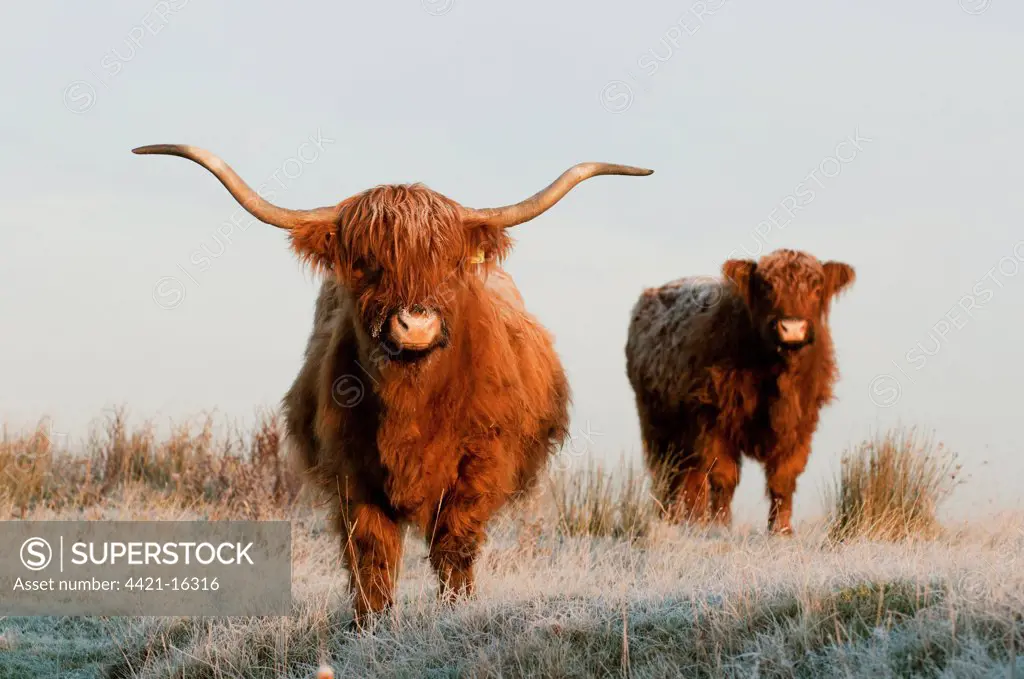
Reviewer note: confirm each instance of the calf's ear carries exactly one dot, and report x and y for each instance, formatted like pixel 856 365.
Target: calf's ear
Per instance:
pixel 838 276
pixel 740 272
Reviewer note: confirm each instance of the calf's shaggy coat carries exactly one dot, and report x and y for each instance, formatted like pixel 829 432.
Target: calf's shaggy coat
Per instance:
pixel 428 395
pixel 735 366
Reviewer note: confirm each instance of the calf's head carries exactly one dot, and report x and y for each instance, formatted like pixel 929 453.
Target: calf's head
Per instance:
pixel 403 251
pixel 789 294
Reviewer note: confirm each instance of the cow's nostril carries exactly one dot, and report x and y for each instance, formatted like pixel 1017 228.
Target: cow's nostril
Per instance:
pixel 415 330
pixel 793 330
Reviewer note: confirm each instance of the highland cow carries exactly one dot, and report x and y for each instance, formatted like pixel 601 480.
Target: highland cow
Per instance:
pixel 429 396
pixel 740 365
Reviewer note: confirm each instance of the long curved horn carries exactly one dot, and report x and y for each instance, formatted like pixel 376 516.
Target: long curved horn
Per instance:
pixel 535 205
pixel 262 210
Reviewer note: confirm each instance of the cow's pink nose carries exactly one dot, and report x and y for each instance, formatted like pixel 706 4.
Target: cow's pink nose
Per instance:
pixel 792 330
pixel 414 329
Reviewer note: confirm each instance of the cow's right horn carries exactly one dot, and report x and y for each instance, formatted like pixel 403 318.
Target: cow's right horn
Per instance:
pixel 535 205
pixel 262 210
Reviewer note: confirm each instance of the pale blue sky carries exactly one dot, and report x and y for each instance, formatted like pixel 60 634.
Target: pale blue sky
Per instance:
pixel 487 102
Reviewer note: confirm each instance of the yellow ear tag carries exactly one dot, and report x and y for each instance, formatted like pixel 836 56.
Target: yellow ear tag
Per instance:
pixel 478 258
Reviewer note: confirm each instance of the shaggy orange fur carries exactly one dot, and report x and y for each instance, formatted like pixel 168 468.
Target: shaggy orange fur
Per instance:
pixel 712 379
pixel 440 443
pixel 428 395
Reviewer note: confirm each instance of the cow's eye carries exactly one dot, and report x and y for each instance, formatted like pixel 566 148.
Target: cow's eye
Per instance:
pixel 365 271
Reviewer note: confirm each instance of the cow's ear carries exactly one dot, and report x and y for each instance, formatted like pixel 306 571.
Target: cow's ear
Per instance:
pixel 740 272
pixel 316 244
pixel 838 276
pixel 487 243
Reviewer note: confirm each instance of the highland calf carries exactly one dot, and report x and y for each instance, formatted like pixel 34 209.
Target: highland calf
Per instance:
pixel 737 366
pixel 428 395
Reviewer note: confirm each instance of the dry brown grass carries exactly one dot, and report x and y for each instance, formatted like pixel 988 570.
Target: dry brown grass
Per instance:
pixel 241 472
pixel 890 487
pixel 595 501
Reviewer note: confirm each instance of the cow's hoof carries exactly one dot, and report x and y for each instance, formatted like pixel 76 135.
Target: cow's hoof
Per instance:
pixel 365 622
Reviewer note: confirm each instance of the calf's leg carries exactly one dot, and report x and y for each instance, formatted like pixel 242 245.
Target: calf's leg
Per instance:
pixel 782 473
pixel 681 490
pixel 723 477
pixel 693 495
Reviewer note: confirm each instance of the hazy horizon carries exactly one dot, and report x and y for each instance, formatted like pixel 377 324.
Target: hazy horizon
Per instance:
pixel 884 136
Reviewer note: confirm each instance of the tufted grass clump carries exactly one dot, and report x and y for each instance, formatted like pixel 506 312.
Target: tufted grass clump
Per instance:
pixel 599 502
pixel 890 488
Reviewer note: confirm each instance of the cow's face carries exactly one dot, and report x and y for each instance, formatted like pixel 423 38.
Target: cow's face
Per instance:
pixel 405 252
pixel 407 255
pixel 789 294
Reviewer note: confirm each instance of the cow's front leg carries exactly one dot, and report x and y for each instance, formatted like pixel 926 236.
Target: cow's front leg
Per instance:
pixel 458 529
pixel 782 471
pixel 373 549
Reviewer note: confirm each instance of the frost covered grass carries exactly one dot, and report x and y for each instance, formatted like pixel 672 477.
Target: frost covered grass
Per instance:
pixel 581 580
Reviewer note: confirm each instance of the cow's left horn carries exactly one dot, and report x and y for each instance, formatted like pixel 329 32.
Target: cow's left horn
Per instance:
pixel 537 204
pixel 262 210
